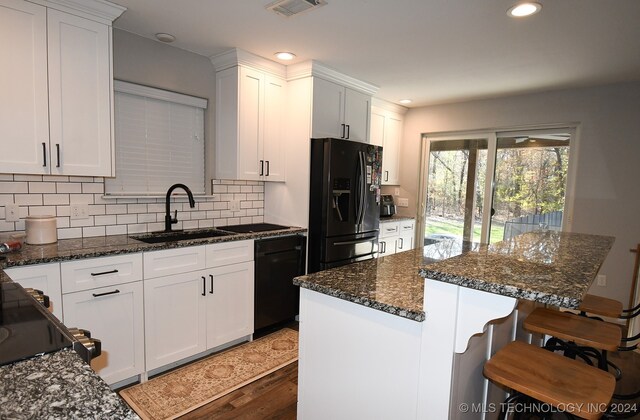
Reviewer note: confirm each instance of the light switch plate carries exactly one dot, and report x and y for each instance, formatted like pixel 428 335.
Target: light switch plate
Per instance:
pixel 601 280
pixel 12 212
pixel 403 202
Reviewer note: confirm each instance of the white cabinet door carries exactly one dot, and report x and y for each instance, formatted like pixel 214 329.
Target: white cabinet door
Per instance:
pixel 328 109
pixel 45 277
pixel 24 120
pixel 376 133
pixel 357 108
pixel 387 246
pixel 79 95
pixel 250 124
pixel 250 107
pixel 229 303
pixel 391 151
pixel 274 120
pixel 404 242
pixel 340 112
pixel 175 319
pixel 114 315
pixel 386 131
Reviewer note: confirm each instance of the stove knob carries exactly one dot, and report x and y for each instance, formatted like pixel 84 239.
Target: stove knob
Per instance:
pixel 93 346
pixel 39 296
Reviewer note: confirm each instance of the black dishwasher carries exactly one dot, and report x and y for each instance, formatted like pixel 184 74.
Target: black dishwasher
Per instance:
pixel 277 261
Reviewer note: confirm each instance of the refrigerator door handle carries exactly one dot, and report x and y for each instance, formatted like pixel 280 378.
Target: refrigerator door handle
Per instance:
pixel 363 187
pixel 356 241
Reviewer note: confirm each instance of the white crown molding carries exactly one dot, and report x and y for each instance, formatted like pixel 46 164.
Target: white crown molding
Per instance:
pixel 316 69
pixel 236 56
pixel 161 94
pixel 389 106
pixel 104 11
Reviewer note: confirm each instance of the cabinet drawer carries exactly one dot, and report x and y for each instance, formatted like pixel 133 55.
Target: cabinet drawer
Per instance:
pixel 226 253
pixel 407 226
pixel 389 229
pixel 100 272
pixel 173 261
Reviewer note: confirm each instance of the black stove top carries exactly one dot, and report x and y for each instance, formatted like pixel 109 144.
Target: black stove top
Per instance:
pixel 255 227
pixel 26 327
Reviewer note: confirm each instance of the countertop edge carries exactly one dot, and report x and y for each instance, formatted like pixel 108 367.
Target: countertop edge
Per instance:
pixel 418 316
pixel 500 289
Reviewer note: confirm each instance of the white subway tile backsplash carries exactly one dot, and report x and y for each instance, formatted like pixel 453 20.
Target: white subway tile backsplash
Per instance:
pixel 28 199
pixel 116 230
pixel 42 210
pixel 7 187
pixel 93 231
pixel 19 177
pixel 69 233
pixel 125 219
pixel 39 195
pixel 69 187
pixel 55 199
pixel 42 187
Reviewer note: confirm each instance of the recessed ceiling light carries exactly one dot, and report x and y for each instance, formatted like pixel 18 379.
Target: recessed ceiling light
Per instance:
pixel 405 101
pixel 524 9
pixel 168 38
pixel 284 55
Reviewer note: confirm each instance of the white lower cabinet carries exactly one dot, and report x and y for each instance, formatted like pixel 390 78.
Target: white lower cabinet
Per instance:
pixel 114 315
pixel 230 307
pixel 191 312
pixel 396 236
pixel 44 277
pixel 175 317
pixel 104 295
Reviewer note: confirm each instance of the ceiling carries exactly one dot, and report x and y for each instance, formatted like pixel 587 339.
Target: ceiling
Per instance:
pixel 432 51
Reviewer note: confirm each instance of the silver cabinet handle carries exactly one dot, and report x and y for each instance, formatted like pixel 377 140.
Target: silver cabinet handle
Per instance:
pixel 401 244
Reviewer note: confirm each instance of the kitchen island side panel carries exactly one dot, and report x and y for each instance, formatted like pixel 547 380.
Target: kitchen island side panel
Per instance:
pixel 355 362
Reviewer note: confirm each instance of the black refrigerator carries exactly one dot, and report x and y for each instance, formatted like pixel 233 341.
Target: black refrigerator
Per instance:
pixel 344 202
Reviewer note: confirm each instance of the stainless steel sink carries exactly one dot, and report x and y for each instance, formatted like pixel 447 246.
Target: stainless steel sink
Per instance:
pixel 179 235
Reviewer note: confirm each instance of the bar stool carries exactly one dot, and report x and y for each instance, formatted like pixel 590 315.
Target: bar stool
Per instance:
pixel 568 385
pixel 575 335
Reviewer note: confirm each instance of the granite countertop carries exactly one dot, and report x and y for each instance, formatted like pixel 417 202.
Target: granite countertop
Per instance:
pixel 391 284
pixel 548 267
pixel 72 249
pixel 395 218
pixel 555 268
pixel 57 386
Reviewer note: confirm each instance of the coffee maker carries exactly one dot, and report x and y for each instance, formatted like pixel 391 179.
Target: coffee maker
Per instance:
pixel 387 207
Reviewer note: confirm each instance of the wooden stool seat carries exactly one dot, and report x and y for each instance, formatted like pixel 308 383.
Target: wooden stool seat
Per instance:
pixel 565 383
pixel 599 305
pixel 571 327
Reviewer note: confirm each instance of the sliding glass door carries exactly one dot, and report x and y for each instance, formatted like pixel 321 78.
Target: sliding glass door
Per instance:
pixel 487 187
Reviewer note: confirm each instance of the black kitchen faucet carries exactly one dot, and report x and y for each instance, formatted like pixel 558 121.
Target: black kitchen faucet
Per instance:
pixel 168 220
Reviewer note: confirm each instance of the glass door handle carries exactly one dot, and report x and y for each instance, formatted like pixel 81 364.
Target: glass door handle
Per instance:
pixel 493 212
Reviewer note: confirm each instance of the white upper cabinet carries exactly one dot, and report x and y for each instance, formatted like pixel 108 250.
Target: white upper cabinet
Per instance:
pixel 386 131
pixel 24 120
pixel 250 111
pixel 56 89
pixel 339 111
pixel 80 96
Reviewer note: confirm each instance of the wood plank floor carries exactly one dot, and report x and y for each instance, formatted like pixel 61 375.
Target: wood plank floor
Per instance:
pixel 275 395
pixel 271 397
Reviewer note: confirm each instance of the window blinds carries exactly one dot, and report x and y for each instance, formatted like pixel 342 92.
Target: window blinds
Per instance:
pixel 159 137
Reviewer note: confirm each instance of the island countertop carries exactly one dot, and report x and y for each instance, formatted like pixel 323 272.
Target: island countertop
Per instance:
pixel 556 268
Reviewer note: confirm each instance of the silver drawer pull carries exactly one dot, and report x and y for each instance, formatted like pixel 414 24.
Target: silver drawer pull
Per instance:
pixel 106 293
pixel 105 272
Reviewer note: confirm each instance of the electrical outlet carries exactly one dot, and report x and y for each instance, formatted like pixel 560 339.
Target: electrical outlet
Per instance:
pixel 403 202
pixel 79 211
pixel 396 191
pixel 12 212
pixel 234 205
pixel 601 280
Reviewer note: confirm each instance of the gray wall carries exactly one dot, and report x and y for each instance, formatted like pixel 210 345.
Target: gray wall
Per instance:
pixel 607 194
pixel 152 63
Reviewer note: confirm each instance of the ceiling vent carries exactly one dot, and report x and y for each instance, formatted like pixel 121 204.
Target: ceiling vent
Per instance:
pixel 289 8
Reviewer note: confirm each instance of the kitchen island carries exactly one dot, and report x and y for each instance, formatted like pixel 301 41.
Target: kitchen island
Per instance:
pixel 405 336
